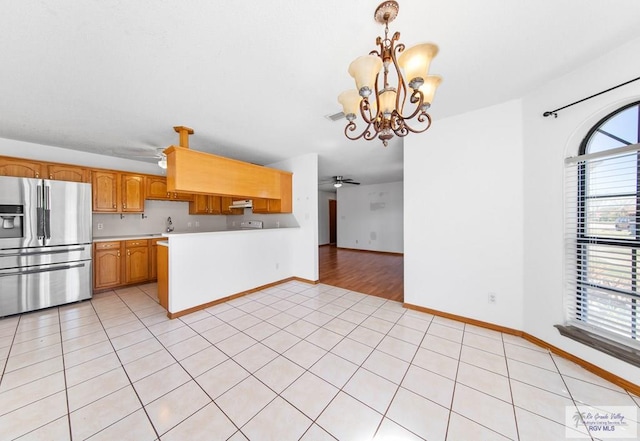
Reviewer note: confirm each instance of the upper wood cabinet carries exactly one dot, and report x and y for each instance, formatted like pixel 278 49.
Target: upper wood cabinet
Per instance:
pixel 21 168
pixel 63 172
pixel 132 193
pixel 225 203
pixel 191 171
pixel 205 204
pixel 106 191
pixel 157 190
pixel 115 192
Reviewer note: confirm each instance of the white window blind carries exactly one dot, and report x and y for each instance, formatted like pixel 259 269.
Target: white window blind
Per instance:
pixel 602 241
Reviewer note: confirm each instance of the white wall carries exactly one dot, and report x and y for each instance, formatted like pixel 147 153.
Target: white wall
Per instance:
pixel 484 207
pixel 547 142
pixel 323 216
pixel 370 217
pixel 304 248
pixel 463 215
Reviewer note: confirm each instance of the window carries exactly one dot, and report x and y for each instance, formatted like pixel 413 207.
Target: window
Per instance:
pixel 603 236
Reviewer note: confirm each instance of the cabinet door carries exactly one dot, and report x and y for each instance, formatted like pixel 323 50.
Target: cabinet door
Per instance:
pixel 184 197
pixel 21 168
pixel 62 172
pixel 157 188
pixel 137 264
pixel 153 258
pixel 199 205
pixel 225 203
pixel 163 276
pixel 132 193
pixel 260 205
pixel 105 190
pixel 215 205
pixel 107 265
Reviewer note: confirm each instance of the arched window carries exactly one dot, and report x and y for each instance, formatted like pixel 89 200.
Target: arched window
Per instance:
pixel 603 234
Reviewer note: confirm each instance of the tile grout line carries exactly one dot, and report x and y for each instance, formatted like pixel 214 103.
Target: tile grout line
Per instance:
pixel 125 372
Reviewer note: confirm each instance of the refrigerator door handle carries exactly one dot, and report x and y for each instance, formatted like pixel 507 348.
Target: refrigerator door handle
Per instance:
pixel 42 270
pixel 37 253
pixel 40 213
pixel 47 212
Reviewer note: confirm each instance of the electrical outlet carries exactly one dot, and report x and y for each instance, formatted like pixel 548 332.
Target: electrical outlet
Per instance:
pixel 492 298
pixel 188 224
pixel 100 226
pixel 197 224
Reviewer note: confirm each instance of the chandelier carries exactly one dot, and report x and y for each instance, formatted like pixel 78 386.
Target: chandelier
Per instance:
pixel 383 109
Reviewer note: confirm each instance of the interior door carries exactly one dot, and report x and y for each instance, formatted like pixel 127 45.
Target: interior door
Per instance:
pixel 333 221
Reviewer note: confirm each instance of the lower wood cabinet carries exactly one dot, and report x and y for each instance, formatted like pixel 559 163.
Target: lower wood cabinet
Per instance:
pixel 163 276
pixel 136 268
pixel 107 265
pixel 120 263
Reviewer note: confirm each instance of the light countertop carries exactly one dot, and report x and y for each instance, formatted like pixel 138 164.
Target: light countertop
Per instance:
pixel 127 237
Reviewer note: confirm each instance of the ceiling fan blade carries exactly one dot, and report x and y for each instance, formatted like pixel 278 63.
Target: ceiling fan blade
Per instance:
pixel 350 181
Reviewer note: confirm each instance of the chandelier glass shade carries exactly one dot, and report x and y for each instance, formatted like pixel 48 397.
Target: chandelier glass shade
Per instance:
pixel 386 109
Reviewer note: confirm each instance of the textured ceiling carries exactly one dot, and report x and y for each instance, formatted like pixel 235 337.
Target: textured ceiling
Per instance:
pixel 256 79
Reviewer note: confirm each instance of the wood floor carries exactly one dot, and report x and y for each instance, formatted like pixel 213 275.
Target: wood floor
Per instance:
pixel 378 274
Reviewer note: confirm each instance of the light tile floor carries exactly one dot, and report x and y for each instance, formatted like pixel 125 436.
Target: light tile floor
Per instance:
pixel 292 362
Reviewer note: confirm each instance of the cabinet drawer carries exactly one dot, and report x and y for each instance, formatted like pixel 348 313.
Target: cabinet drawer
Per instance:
pixel 136 243
pixel 107 245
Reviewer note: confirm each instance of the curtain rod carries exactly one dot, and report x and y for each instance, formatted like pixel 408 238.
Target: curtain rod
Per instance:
pixel 555 114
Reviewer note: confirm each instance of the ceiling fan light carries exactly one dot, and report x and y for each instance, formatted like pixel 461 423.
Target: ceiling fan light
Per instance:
pixel 337 184
pixel 162 163
pixel 364 70
pixel 415 61
pixel 350 100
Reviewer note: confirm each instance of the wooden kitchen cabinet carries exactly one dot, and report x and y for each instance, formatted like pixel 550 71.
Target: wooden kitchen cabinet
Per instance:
pixel 225 203
pixel 163 276
pixel 205 204
pixel 106 191
pixel 157 190
pixel 64 172
pixel 107 265
pixel 21 168
pixel 266 205
pixel 153 257
pixel 136 267
pixel 115 192
pixel 132 193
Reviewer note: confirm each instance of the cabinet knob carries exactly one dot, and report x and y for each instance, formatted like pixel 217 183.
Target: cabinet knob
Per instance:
pixel 37 175
pixel 128 253
pixel 51 176
pixel 124 205
pixel 118 253
pixel 114 205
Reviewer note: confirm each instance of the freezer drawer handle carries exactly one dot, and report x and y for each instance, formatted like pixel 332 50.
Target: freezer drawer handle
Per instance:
pixel 43 270
pixel 36 253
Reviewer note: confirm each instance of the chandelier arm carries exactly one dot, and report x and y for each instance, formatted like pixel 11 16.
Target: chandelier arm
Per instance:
pixel 424 116
pixel 402 89
pixel 366 133
pixel 416 97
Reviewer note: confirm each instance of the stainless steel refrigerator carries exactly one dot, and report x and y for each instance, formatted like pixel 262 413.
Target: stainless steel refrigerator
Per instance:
pixel 45 243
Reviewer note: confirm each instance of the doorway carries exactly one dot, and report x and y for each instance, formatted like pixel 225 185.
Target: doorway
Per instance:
pixel 333 221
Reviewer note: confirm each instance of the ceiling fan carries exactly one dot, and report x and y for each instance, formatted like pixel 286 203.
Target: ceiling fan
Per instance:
pixel 156 155
pixel 339 180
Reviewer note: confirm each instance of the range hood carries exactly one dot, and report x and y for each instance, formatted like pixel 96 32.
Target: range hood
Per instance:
pixel 245 203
